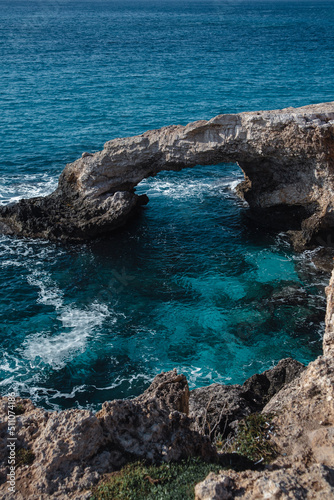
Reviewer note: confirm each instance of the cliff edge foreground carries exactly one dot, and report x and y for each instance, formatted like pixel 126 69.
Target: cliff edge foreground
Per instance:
pixel 287 157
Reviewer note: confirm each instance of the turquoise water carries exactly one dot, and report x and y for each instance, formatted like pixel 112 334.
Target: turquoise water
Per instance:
pixel 191 283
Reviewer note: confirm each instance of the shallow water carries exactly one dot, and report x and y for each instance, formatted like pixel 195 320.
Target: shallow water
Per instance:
pixel 191 283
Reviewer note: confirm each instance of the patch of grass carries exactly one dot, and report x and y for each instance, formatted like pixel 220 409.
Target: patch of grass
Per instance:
pixel 253 438
pixel 24 457
pixel 172 481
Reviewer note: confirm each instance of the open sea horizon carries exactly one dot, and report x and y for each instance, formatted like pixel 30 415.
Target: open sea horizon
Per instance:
pixel 191 283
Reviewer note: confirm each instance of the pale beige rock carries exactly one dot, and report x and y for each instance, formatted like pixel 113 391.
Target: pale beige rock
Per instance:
pixel 214 487
pixel 74 448
pixel 296 482
pixel 287 157
pixel 281 143
pixel 153 425
pixel 328 342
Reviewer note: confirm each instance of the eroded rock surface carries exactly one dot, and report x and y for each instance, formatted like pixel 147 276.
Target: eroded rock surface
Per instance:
pixel 287 157
pixel 299 483
pixel 72 449
pixel 216 409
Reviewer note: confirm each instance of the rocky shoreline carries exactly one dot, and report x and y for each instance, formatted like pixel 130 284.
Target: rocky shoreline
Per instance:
pixel 287 157
pixel 72 450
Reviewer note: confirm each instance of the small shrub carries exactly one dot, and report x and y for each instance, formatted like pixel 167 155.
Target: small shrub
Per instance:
pixel 19 409
pixel 253 438
pixel 24 457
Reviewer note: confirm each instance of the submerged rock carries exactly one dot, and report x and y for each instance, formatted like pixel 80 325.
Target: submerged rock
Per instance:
pixel 287 157
pixel 63 454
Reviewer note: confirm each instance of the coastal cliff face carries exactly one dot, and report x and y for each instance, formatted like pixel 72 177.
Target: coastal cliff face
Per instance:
pixel 63 454
pixel 287 157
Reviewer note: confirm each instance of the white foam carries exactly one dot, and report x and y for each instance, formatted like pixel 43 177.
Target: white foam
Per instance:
pixel 86 319
pixel 14 188
pixel 27 253
pixel 37 393
pixel 118 381
pixel 196 375
pixel 9 363
pixel 233 184
pixel 57 350
pixel 176 188
pixel 49 293
pixel 10 263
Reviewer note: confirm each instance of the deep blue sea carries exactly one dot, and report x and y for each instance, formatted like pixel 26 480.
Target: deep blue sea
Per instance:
pixel 191 283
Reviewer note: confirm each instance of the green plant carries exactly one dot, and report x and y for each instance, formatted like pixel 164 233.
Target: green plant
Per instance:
pixel 24 457
pixel 253 438
pixel 139 481
pixel 219 441
pixel 19 409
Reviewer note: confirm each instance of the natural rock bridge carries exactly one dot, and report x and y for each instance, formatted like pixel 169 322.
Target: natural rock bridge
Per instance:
pixel 287 157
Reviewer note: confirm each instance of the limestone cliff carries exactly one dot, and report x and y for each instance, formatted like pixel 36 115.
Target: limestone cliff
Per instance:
pixel 287 157
pixel 71 450
pixel 64 454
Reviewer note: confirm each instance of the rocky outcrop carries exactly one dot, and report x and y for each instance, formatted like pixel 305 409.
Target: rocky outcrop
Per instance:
pixel 217 409
pixel 304 437
pixel 299 483
pixel 287 157
pixel 155 426
pixel 72 449
pixel 328 341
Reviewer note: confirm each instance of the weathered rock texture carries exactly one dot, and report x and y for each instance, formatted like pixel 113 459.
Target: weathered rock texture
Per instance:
pixel 217 409
pixel 287 157
pixel 73 448
pixel 314 483
pixel 304 437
